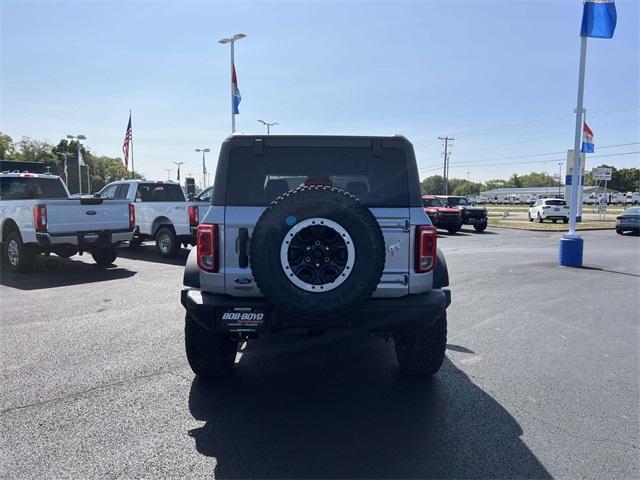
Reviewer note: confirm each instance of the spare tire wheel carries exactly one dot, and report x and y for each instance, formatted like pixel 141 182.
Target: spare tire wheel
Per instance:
pixel 317 252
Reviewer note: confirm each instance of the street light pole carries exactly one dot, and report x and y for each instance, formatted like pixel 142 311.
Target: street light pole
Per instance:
pixel 178 164
pixel 268 125
pixel 232 40
pixel 78 138
pixel 204 166
pixel 559 177
pixel 169 170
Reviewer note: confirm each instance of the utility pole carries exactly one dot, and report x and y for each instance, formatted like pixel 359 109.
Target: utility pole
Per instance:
pixel 468 173
pixel 445 173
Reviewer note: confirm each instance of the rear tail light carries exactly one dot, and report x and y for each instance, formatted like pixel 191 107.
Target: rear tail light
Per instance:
pixel 132 215
pixel 207 247
pixel 193 216
pixel 40 217
pixel 426 248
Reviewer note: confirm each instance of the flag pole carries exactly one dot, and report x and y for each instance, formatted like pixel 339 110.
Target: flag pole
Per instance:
pixel 571 245
pixel 233 110
pixel 131 145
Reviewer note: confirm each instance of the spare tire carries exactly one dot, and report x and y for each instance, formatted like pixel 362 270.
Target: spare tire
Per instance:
pixel 317 252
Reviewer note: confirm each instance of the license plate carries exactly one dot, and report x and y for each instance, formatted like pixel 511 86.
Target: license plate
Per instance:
pixel 91 237
pixel 239 319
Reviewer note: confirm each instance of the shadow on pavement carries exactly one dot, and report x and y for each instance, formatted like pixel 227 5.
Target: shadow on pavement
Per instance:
pixel 60 272
pixel 484 232
pixel 339 409
pixel 147 253
pixel 599 269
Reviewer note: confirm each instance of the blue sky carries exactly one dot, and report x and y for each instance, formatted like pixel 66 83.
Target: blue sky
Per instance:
pixel 501 77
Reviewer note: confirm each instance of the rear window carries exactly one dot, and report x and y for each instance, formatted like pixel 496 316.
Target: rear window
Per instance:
pixel 431 202
pixel 555 202
pixel 159 192
pixel 379 181
pixel 24 188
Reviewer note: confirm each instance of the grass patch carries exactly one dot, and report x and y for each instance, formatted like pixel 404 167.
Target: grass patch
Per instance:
pixel 551 227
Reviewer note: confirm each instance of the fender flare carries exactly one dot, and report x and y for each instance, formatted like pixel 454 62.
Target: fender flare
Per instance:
pixel 191 277
pixel 441 272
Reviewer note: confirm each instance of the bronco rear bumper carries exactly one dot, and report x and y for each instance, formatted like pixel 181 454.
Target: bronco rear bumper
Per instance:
pixel 377 315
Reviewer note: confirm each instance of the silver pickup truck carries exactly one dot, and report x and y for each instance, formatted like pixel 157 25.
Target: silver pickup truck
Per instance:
pixel 38 216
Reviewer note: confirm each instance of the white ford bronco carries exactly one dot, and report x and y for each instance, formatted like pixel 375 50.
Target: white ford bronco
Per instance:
pixel 315 232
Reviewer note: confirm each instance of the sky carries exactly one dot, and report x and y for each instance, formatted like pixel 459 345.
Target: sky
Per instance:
pixel 500 77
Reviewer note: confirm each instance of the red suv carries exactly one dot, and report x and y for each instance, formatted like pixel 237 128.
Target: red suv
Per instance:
pixel 447 218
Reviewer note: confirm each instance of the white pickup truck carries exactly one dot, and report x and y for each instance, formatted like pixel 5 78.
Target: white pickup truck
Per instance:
pixel 38 216
pixel 163 212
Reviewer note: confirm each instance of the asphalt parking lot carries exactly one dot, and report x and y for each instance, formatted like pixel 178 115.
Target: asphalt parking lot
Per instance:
pixel 541 377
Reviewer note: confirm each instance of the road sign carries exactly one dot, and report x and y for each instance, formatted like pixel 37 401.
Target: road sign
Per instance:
pixel 599 174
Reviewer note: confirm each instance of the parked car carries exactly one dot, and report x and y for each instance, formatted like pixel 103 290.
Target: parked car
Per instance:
pixel 202 202
pixel 352 247
pixel 163 213
pixel 476 216
pixel 442 217
pixel 629 221
pixel 552 209
pixel 37 215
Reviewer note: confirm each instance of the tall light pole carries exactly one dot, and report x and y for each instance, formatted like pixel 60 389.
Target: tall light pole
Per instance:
pixel 78 138
pixel 178 164
pixel 204 166
pixel 559 177
pixel 268 125
pixel 232 41
pixel 468 173
pixel 169 170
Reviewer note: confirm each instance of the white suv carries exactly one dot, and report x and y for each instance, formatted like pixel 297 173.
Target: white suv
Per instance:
pixel 552 209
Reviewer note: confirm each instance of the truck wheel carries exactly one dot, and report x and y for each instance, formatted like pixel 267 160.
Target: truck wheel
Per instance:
pixel 105 256
pixel 16 255
pixel 317 253
pixel 454 230
pixel 421 352
pixel 209 354
pixel 167 244
pixel 480 228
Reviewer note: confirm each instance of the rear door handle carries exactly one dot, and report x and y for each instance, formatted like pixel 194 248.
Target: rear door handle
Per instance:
pixel 243 258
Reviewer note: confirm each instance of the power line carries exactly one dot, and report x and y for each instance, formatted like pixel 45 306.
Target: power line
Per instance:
pixel 462 165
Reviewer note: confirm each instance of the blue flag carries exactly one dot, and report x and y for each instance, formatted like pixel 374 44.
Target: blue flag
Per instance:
pixel 598 19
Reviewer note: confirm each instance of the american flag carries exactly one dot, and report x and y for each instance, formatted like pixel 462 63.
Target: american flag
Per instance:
pixel 127 141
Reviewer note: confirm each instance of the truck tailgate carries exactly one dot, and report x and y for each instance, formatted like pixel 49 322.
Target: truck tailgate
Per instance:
pixel 82 215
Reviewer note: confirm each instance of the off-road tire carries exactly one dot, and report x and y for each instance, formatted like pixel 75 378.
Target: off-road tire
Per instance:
pixel 23 257
pixel 317 201
pixel 167 244
pixel 105 256
pixel 480 228
pixel 421 352
pixel 209 354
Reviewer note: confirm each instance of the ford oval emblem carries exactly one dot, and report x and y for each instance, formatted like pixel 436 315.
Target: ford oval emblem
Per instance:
pixel 243 280
pixel 91 212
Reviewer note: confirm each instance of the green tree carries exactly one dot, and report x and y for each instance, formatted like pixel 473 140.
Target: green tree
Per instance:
pixel 495 183
pixel 514 181
pixel 7 149
pixel 538 179
pixel 433 185
pixel 467 189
